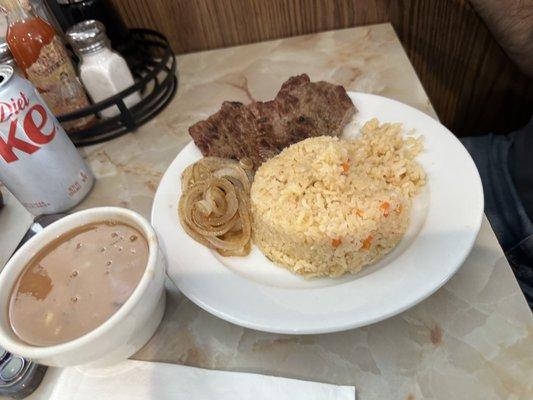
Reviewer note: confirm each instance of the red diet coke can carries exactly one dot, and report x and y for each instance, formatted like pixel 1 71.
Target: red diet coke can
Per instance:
pixel 38 162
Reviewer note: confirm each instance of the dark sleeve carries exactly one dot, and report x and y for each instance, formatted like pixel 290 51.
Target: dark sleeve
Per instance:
pixel 521 165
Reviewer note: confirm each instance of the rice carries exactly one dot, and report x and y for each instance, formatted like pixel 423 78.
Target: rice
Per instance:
pixel 327 206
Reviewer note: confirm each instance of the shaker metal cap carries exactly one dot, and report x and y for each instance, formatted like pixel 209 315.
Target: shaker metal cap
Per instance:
pixel 4 49
pixel 87 36
pixel 5 54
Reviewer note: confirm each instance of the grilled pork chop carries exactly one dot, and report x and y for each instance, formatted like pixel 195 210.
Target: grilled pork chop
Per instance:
pixel 261 130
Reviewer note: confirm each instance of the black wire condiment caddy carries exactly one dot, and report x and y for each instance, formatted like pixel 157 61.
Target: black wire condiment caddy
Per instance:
pixel 155 76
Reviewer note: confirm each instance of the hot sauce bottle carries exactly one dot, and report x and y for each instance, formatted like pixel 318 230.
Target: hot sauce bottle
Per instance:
pixel 41 55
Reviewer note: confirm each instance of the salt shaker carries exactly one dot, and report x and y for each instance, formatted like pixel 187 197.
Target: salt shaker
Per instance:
pixel 103 71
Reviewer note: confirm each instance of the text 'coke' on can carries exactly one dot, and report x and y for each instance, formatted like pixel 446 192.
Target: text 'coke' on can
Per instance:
pixel 38 162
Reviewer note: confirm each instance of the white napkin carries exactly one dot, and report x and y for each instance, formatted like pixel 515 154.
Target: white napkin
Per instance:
pixel 14 222
pixel 136 380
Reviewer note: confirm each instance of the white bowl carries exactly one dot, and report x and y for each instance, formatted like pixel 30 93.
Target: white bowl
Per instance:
pixel 125 332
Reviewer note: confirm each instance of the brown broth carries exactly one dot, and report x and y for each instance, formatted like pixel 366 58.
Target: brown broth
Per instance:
pixel 77 282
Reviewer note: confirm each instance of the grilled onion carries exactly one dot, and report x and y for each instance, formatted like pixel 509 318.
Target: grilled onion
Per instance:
pixel 214 208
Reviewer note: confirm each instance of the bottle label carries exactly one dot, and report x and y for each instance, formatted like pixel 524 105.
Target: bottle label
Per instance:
pixel 54 76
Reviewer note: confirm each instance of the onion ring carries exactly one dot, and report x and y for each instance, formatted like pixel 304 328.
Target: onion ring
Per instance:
pixel 214 208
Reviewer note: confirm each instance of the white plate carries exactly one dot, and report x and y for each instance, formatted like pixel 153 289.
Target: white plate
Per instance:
pixel 253 292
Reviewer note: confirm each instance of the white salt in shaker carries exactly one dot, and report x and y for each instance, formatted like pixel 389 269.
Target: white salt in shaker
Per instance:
pixel 103 71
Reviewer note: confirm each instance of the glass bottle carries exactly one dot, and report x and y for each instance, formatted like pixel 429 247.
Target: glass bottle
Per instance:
pixel 44 60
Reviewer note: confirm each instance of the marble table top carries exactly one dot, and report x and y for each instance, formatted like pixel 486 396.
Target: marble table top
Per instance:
pixel 470 340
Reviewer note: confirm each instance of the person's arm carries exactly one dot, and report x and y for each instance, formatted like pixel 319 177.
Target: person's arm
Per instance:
pixel 511 23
